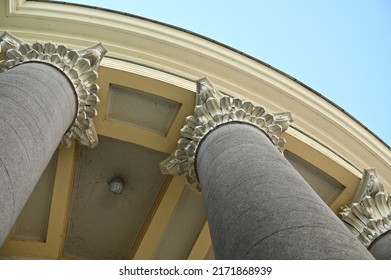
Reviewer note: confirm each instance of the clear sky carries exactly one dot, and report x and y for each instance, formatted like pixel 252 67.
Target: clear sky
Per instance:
pixel 340 48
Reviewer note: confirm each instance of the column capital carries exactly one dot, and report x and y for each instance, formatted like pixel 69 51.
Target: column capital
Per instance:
pixel 79 66
pixel 369 216
pixel 213 109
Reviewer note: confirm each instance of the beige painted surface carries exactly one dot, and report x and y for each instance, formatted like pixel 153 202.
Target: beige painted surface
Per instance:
pixel 52 248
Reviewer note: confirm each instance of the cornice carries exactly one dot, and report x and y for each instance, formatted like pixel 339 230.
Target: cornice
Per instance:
pixel 212 110
pixel 79 66
pixel 369 216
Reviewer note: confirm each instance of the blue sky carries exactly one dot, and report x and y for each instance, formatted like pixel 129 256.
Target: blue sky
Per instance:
pixel 340 48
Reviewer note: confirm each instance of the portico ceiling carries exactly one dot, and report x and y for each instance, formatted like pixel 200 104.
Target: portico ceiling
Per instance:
pixel 155 216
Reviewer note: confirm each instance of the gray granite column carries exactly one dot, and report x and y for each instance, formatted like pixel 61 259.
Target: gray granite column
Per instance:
pixel 47 96
pixel 37 106
pixel 259 207
pixel 381 247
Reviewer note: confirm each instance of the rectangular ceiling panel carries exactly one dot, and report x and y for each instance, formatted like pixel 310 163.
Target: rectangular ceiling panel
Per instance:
pixel 104 225
pixel 141 109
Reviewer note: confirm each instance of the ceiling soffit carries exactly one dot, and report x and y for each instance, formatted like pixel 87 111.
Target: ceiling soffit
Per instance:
pixel 324 185
pixel 32 223
pixel 141 109
pixel 104 225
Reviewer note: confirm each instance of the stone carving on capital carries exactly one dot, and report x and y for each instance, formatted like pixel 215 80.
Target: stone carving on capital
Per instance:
pixel 213 109
pixel 79 66
pixel 369 216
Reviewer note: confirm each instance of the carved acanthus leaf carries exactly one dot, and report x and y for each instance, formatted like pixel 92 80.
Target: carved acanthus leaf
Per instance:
pixel 79 66
pixel 213 109
pixel 369 217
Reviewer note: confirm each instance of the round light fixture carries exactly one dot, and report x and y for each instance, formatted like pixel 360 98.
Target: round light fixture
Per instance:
pixel 116 185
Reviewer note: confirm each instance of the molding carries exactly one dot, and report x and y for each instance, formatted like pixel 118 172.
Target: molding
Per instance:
pixel 79 66
pixel 369 216
pixel 149 72
pixel 212 110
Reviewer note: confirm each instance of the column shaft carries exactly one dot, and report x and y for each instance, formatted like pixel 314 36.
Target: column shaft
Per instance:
pixel 37 106
pixel 381 247
pixel 259 207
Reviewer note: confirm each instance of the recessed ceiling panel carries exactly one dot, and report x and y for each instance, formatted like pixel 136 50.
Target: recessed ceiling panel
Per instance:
pixel 324 185
pixel 183 227
pixel 141 109
pixel 104 225
pixel 32 223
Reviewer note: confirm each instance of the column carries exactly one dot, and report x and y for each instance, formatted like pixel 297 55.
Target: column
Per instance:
pixel 258 206
pixel 369 216
pixel 47 96
pixel 381 247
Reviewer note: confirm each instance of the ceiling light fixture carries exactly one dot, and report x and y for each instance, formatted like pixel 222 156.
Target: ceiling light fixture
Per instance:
pixel 116 185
